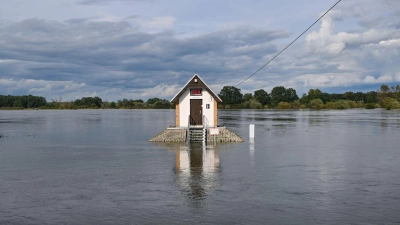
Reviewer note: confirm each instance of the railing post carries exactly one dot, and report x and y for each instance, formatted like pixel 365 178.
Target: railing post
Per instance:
pixel 188 131
pixel 205 124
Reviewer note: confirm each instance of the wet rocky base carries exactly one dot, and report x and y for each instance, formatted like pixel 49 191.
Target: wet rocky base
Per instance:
pixel 173 134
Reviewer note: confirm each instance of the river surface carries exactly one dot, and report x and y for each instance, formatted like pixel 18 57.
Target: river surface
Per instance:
pixel 97 167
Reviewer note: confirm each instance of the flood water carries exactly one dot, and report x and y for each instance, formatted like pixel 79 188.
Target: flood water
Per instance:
pixel 97 167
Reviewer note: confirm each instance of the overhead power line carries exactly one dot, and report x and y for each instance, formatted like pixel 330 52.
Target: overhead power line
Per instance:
pixel 290 43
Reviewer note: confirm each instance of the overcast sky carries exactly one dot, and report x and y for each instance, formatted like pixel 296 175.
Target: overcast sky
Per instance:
pixel 138 49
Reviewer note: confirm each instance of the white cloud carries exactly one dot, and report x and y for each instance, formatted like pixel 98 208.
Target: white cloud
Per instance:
pixel 397 77
pixel 390 43
pixel 39 87
pixel 160 91
pixel 385 78
pixel 164 22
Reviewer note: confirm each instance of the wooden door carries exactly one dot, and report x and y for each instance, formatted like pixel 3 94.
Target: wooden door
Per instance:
pixel 196 112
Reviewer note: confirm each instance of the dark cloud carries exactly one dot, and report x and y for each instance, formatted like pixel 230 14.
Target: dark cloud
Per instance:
pixel 86 57
pixel 117 55
pixel 133 17
pixel 96 2
pixel 78 20
pixel 371 22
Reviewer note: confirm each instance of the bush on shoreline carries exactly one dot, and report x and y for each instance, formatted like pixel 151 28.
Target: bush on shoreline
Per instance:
pixel 317 104
pixel 370 106
pixel 284 105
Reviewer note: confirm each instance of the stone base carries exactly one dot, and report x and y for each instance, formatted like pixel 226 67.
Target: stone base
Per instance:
pixel 171 135
pixel 179 135
pixel 225 136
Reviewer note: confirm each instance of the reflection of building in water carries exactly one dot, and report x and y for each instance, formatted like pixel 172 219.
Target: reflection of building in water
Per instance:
pixel 197 169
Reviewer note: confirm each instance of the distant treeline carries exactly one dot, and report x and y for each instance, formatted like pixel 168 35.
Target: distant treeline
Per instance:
pixel 283 98
pixel 29 101
pixel 280 97
pixel 25 101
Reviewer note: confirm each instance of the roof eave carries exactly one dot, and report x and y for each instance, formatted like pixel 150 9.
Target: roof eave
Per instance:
pixel 176 97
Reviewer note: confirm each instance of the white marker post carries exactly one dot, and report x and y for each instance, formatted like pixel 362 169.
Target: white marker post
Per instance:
pixel 251 131
pixel 251 146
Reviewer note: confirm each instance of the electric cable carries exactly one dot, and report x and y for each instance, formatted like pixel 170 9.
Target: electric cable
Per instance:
pixel 290 43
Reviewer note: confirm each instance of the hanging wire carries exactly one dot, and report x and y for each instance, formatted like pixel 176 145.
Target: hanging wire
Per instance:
pixel 290 43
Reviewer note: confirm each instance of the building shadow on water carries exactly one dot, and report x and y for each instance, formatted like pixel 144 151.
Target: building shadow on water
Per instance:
pixel 197 168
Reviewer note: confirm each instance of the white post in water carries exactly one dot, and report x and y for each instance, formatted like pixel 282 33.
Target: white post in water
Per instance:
pixel 251 147
pixel 251 131
pixel 252 150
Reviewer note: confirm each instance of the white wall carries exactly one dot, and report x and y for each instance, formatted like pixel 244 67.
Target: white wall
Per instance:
pixel 184 107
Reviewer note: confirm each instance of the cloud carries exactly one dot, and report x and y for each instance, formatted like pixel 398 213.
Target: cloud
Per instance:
pixel 385 78
pixel 115 55
pixel 343 58
pixel 159 22
pixel 97 2
pixel 144 56
pixel 39 87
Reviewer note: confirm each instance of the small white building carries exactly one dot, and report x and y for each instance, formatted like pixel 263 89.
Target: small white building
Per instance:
pixel 196 104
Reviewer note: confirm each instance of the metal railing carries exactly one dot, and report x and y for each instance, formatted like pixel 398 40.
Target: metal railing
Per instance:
pixel 188 131
pixel 205 127
pixel 205 121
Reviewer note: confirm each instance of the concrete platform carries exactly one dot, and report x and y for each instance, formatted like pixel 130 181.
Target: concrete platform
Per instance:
pixel 178 134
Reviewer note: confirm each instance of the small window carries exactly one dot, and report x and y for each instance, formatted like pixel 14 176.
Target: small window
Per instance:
pixel 207 106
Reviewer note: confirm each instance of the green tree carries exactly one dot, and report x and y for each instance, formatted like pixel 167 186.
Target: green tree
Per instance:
pixel 78 102
pixel 314 94
pixel 262 97
pixel 391 103
pixel 151 101
pixel 304 99
pixel 341 104
pixel 372 97
pixel 352 104
pixel 98 101
pixel 330 105
pixel 7 101
pixel 296 104
pixel 383 93
pixel 231 95
pixel 251 104
pixel 360 97
pixel 278 94
pixel 385 89
pixel 162 104
pixel 325 97
pixel 370 106
pixel 247 97
pixel 86 102
pixel 348 96
pixel 317 104
pixel 334 97
pixel 138 104
pixel 397 92
pixel 284 105
pixel 291 95
pixel 17 103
